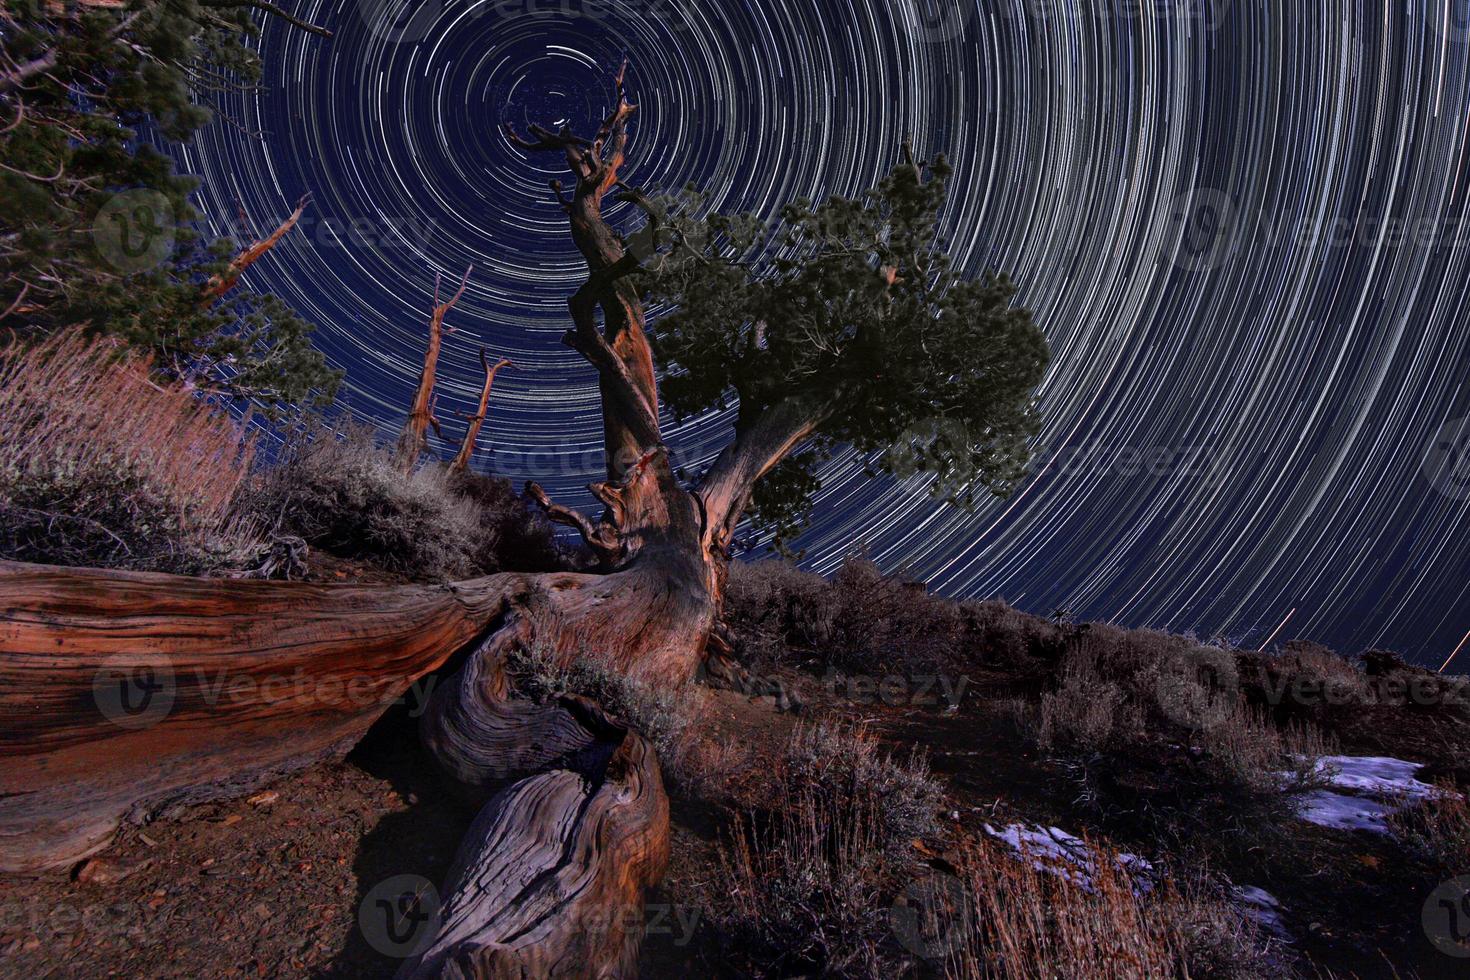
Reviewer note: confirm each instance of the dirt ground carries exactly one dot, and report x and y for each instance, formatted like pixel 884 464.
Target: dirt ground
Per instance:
pixel 289 882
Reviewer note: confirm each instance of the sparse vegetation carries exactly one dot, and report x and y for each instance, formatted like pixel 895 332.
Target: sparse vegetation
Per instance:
pixel 342 492
pixel 802 882
pixel 1436 829
pixel 100 465
pixel 1016 920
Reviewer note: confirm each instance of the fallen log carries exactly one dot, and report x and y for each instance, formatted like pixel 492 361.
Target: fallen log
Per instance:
pixel 549 880
pixel 121 692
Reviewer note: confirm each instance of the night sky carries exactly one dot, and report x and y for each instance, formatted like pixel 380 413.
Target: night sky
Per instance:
pixel 1242 226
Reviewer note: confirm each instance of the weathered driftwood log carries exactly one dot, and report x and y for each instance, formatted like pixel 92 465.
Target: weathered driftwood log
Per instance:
pixel 549 881
pixel 121 691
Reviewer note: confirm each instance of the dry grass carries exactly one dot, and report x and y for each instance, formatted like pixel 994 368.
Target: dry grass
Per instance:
pixel 1012 920
pixel 101 466
pixel 803 882
pixel 802 888
pixel 1436 829
pixel 1246 750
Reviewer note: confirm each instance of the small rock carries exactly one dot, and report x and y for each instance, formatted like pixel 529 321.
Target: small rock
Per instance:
pixel 148 840
pixel 232 819
pixel 264 799
pixel 108 871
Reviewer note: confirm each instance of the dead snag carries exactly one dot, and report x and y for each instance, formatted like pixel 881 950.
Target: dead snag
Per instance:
pixel 218 285
pixel 461 461
pixel 414 440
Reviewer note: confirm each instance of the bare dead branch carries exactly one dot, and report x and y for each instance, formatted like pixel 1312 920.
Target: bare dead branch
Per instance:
pixel 461 462
pixel 221 284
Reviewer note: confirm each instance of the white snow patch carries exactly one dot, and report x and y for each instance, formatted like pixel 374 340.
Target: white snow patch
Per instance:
pixel 1342 812
pixel 1264 908
pixel 1054 851
pixel 1365 790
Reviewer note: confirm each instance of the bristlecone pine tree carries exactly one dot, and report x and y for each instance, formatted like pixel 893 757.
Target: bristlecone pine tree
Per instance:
pixel 857 331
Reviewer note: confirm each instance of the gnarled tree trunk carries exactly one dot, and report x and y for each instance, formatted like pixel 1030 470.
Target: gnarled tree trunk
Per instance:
pixel 575 818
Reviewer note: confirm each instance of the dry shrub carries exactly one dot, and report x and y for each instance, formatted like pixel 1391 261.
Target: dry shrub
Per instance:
pixel 1436 829
pixel 802 884
pixel 1019 922
pixel 342 492
pixel 512 535
pixel 890 626
pixel 1246 750
pixel 101 466
pixel 848 764
pixel 1002 635
pixel 1079 715
pixel 774 608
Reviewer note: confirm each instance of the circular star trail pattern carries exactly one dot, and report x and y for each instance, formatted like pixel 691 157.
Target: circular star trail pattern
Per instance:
pixel 1241 225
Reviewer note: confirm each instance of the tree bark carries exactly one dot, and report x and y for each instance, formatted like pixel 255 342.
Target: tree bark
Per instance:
pixel 461 461
pixel 414 440
pixel 122 691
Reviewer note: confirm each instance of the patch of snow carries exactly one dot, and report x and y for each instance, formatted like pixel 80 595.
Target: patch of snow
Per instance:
pixel 1264 908
pixel 1339 811
pixel 1375 775
pixel 1054 851
pixel 1365 790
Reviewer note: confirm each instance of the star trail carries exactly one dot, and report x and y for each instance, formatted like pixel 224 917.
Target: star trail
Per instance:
pixel 1242 226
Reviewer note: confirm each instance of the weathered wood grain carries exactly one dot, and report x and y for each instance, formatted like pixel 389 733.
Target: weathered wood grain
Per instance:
pixel 248 678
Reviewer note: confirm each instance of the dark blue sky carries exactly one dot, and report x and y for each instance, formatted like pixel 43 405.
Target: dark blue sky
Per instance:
pixel 1242 226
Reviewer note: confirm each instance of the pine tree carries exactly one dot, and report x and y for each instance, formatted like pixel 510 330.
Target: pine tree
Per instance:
pixel 96 226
